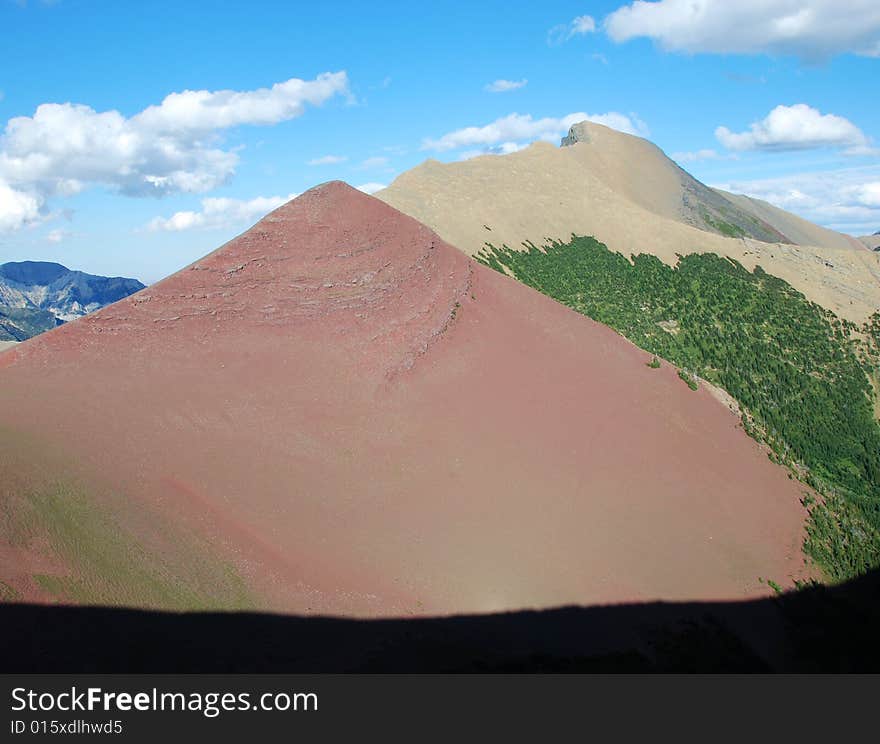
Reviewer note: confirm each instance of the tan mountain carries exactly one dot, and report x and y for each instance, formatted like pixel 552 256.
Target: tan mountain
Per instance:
pixel 796 229
pixel 624 191
pixel 872 241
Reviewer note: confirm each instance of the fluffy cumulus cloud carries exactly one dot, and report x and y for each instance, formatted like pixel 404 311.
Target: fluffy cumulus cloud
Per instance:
pixel 798 127
pixel 576 27
pixel 219 212
pixel 810 29
pixel 17 208
pixel 171 147
pixel 512 130
pixel 868 194
pixel 847 200
pixel 505 86
pixel 202 111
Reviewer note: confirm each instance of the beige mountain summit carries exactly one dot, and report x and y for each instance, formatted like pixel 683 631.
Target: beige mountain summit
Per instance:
pixel 627 193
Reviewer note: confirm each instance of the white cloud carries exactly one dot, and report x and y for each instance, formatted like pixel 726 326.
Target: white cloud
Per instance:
pixel 503 86
pixel 868 194
pixel 798 127
pixel 202 111
pixel 518 128
pixel 505 148
pixel 171 147
pixel 698 155
pixel 58 235
pixel 328 160
pixel 577 27
pixel 219 212
pixel 376 162
pixel 18 208
pixel 810 29
pixel 371 188
pixel 847 200
pixel 583 25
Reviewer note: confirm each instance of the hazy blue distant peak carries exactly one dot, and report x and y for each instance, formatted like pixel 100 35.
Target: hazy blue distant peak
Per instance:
pixel 35 296
pixel 33 272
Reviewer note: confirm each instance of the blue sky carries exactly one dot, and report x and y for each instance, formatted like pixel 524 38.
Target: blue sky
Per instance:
pixel 105 183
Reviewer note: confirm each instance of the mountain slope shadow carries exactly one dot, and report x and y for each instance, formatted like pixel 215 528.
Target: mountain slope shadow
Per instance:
pixel 816 629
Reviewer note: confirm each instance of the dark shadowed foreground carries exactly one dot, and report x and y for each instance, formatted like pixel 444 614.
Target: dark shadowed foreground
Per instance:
pixel 817 629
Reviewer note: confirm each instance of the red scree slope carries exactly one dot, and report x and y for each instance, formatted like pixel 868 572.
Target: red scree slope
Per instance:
pixel 367 422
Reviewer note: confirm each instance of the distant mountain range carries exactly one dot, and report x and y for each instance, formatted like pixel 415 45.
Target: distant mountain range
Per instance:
pixel 36 296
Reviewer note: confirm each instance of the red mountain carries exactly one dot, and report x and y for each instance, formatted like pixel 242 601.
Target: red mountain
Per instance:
pixel 337 412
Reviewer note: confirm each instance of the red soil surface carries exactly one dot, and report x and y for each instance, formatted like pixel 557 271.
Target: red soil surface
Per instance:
pixel 369 423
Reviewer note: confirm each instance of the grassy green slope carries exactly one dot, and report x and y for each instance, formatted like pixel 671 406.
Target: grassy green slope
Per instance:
pixel 91 545
pixel 111 566
pixel 799 373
